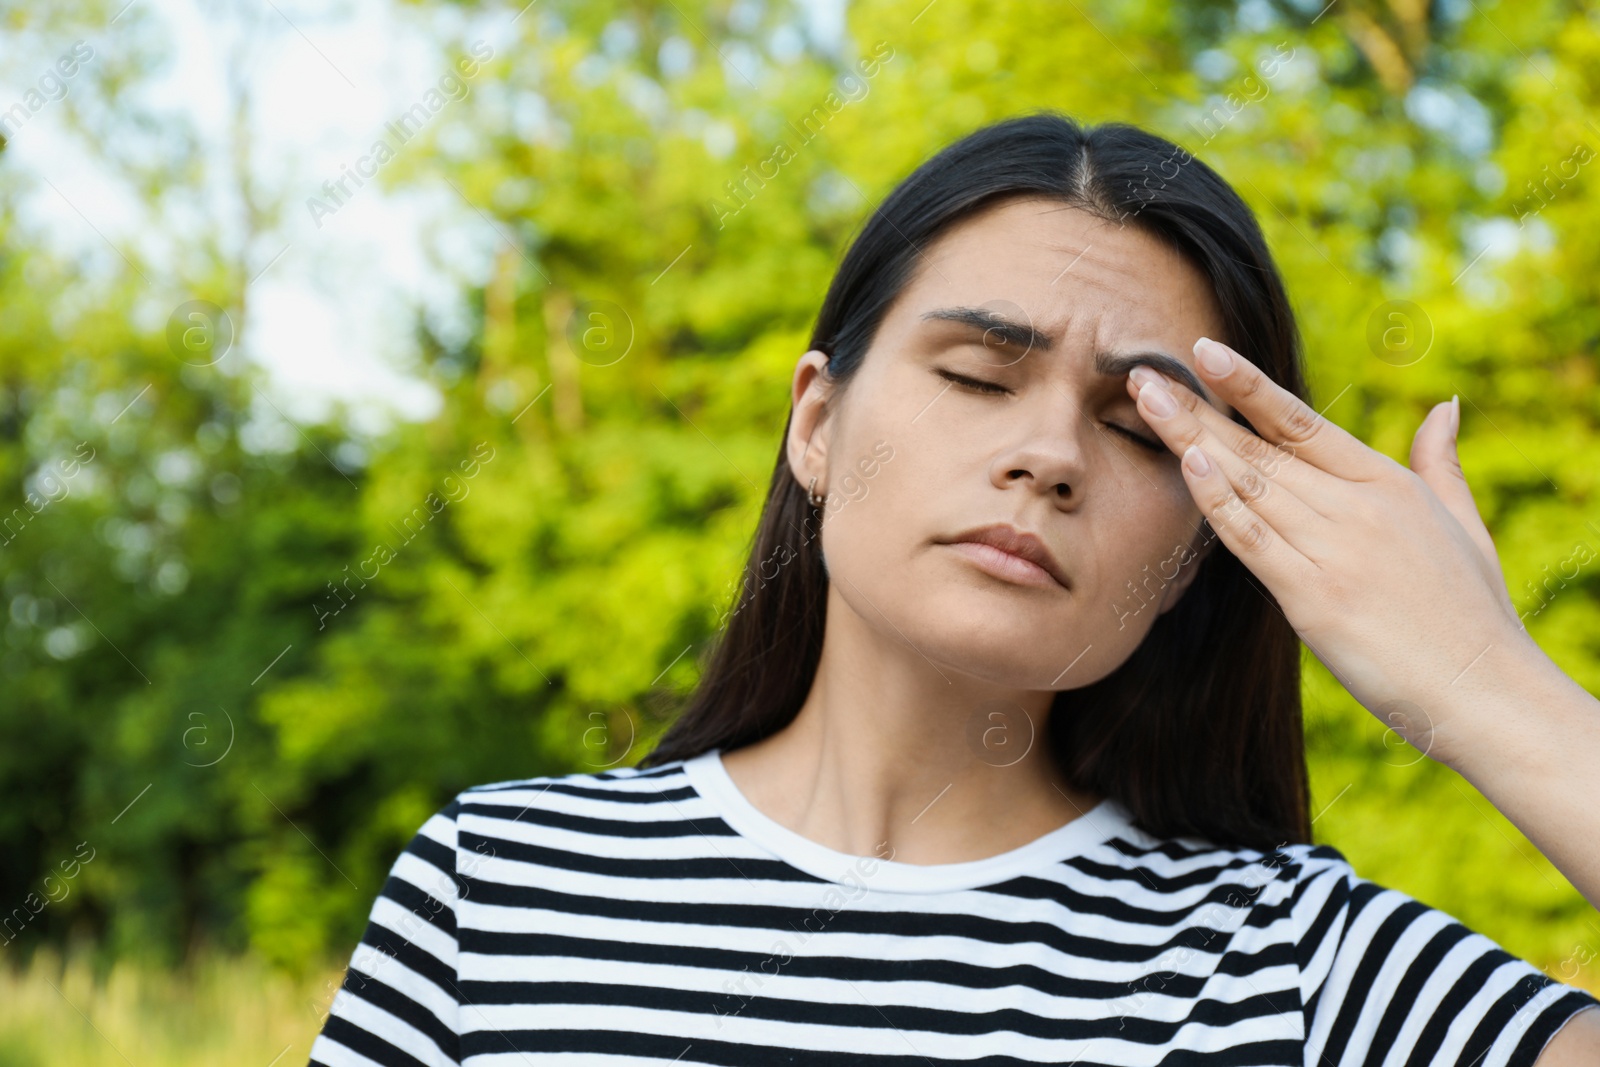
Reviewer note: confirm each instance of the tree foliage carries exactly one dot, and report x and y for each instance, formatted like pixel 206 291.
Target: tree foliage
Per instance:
pixel 244 659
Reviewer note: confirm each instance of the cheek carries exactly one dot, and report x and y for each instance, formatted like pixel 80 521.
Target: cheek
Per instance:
pixel 878 462
pixel 1140 548
pixel 873 502
pixel 884 486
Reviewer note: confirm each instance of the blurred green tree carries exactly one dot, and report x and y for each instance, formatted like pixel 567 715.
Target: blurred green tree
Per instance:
pixel 524 584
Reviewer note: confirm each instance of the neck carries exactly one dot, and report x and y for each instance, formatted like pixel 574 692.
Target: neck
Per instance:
pixel 892 747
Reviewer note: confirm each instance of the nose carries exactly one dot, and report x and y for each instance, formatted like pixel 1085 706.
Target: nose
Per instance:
pixel 1047 451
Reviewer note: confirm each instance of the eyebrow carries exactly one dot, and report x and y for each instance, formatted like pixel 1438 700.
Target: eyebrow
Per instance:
pixel 1111 364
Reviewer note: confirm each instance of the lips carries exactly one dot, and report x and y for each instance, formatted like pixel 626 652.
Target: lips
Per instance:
pixel 1013 542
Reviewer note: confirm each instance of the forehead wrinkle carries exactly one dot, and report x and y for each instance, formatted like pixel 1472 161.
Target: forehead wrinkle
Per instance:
pixel 1112 361
pixel 1088 280
pixel 1110 263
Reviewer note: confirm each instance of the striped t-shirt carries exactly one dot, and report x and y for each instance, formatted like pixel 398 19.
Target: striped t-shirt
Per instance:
pixel 658 917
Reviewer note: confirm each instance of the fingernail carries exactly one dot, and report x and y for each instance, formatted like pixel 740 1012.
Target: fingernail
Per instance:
pixel 1196 461
pixel 1215 358
pixel 1455 416
pixel 1158 399
pixel 1143 376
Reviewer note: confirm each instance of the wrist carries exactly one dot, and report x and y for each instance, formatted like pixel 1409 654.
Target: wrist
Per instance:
pixel 1504 715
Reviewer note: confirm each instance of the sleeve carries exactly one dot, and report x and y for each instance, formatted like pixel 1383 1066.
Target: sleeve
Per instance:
pixel 399 1003
pixel 1385 978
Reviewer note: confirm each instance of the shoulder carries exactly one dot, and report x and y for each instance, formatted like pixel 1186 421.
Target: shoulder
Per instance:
pixel 1381 969
pixel 1277 878
pixel 1310 892
pixel 618 785
pixel 519 798
pixel 603 802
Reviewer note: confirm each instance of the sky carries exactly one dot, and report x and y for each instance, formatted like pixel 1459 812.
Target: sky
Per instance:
pixel 330 306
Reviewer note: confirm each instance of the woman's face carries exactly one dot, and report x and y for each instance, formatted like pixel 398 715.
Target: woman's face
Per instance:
pixel 911 458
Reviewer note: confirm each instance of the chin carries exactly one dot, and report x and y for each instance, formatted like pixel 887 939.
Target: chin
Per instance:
pixel 1001 637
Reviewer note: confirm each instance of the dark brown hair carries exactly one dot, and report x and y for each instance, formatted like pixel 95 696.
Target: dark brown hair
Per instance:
pixel 1199 731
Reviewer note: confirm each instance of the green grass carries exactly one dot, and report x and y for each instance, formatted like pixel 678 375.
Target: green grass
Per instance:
pixel 57 1012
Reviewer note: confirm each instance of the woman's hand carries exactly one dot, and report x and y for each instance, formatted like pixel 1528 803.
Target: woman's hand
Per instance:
pixel 1387 573
pixel 1390 577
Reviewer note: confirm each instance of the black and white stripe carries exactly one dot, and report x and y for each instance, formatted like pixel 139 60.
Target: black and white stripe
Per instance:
pixel 652 917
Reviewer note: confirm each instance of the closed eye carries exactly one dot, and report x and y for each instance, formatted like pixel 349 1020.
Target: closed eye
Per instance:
pixel 1153 446
pixel 973 383
pixel 994 388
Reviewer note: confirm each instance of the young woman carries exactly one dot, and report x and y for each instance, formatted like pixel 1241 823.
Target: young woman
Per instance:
pixel 999 758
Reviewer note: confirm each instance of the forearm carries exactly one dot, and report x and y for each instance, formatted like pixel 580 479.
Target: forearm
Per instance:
pixel 1528 738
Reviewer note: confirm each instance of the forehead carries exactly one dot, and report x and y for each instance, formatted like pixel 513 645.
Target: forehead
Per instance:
pixel 1088 284
pixel 1064 260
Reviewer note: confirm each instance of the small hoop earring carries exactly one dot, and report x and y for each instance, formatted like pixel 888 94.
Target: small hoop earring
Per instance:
pixel 813 497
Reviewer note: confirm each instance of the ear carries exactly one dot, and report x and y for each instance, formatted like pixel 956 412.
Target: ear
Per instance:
pixel 809 424
pixel 1199 547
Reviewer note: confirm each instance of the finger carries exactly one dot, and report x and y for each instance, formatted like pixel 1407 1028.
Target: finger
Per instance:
pixel 1276 461
pixel 1435 460
pixel 1180 426
pixel 1247 535
pixel 1280 417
